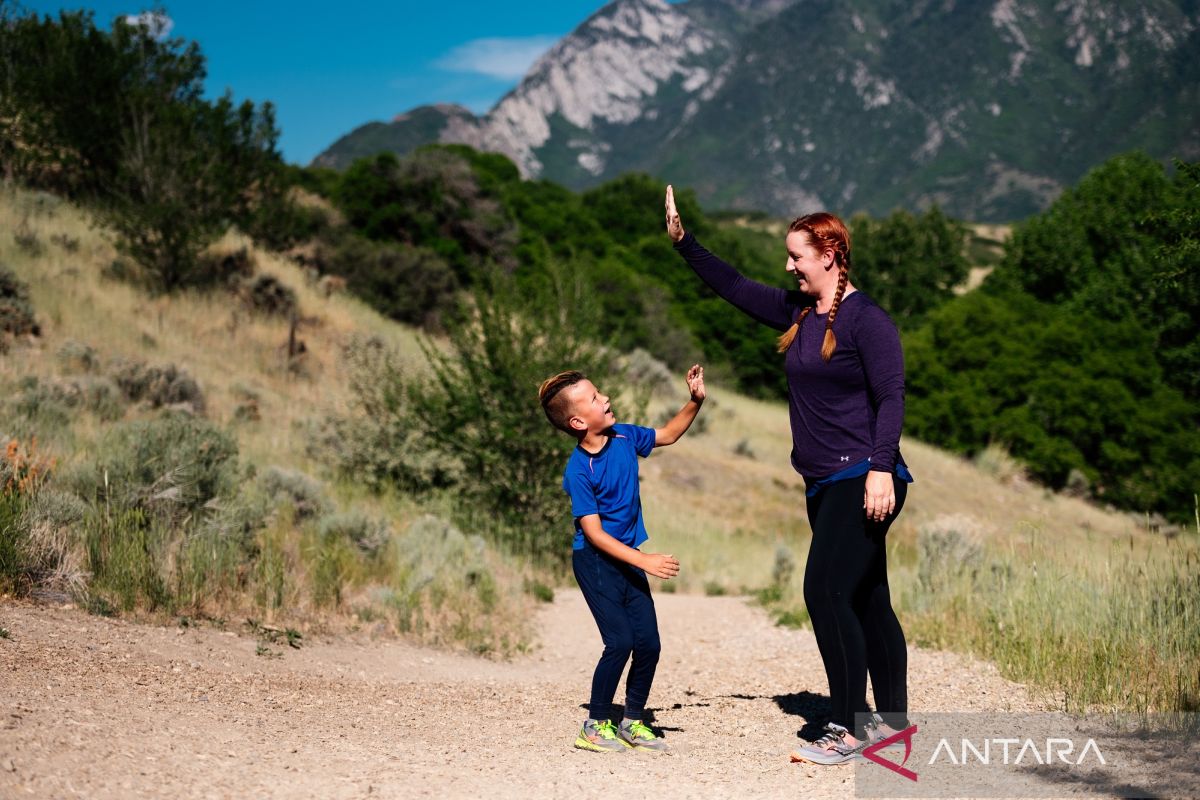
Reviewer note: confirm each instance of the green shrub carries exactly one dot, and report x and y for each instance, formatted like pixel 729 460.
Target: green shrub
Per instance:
pixel 409 284
pixel 174 465
pixel 16 311
pixel 13 535
pixel 76 356
pixel 540 591
pixel 96 394
pixel 301 493
pixel 996 461
pixel 794 618
pixel 268 295
pixel 48 407
pixel 38 408
pixel 369 536
pixel 331 564
pixel 158 385
pixel 378 443
pixel 274 568
pixel 784 567
pixel 949 550
pixel 227 267
pixel 441 573
pixel 53 560
pixel 32 550
pixel 641 368
pixel 220 551
pixel 26 239
pixel 68 243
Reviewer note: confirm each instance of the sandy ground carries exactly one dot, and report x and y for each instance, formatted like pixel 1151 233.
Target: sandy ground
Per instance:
pixel 99 707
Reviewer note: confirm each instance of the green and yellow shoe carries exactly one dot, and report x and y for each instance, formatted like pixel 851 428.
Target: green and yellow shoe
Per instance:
pixel 600 737
pixel 636 735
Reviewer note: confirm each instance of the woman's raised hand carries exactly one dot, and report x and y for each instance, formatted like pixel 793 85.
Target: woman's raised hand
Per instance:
pixel 674 226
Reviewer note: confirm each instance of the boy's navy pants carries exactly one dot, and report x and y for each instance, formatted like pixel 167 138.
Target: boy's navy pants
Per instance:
pixel 619 597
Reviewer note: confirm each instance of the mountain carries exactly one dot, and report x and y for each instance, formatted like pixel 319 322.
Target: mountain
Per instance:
pixel 988 109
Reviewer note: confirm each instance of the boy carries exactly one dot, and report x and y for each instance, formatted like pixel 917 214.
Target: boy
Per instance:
pixel 602 479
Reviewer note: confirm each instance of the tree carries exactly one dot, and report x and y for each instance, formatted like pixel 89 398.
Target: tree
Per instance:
pixel 1079 352
pixel 188 167
pixel 432 199
pixel 119 117
pixel 909 264
pixel 480 409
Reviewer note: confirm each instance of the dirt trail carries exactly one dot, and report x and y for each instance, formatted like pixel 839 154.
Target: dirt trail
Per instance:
pixel 104 708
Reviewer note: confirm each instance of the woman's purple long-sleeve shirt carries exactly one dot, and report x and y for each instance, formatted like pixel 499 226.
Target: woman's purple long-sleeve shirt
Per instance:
pixel 842 412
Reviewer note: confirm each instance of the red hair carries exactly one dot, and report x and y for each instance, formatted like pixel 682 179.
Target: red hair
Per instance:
pixel 825 232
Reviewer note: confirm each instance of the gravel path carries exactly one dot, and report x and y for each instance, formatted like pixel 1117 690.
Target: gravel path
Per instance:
pixel 106 708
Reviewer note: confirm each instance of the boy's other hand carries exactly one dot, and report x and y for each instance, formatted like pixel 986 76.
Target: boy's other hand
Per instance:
pixel 695 382
pixel 674 226
pixel 661 565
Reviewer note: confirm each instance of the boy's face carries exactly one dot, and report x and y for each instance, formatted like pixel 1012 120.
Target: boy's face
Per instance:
pixel 590 410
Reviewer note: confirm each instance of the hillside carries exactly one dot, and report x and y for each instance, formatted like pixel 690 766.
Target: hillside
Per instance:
pixel 230 351
pixel 967 552
pixel 988 109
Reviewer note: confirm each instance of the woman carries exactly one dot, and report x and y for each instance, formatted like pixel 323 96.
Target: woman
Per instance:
pixel 845 374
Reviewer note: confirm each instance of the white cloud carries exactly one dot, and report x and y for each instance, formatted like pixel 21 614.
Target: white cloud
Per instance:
pixel 508 59
pixel 159 26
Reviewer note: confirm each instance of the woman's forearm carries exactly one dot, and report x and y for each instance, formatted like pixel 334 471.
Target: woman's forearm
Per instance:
pixel 767 304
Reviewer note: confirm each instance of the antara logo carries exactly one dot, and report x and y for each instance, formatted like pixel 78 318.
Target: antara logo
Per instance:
pixel 1062 749
pixel 905 735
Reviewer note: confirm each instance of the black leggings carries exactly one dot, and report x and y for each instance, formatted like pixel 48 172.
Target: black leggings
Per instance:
pixel 846 591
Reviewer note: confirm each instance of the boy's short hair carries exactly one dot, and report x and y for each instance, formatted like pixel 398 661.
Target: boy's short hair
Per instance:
pixel 554 401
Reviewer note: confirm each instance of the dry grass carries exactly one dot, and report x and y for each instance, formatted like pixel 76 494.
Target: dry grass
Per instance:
pixel 223 346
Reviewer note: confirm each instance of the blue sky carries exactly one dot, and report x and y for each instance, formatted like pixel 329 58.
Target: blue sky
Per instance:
pixel 330 67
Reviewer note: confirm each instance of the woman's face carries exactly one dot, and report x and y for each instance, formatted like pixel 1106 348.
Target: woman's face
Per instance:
pixel 809 266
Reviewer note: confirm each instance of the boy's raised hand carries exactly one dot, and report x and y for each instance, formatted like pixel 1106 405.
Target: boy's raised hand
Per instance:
pixel 674 226
pixel 660 565
pixel 695 382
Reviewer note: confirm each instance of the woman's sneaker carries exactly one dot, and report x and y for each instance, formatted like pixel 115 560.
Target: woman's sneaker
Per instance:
pixel 600 737
pixel 878 730
pixel 636 735
pixel 837 746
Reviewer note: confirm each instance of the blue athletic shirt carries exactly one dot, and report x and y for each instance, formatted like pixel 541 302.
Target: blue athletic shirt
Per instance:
pixel 606 483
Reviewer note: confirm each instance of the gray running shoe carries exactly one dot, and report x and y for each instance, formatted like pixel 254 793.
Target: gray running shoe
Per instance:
pixel 878 730
pixel 831 748
pixel 639 737
pixel 600 737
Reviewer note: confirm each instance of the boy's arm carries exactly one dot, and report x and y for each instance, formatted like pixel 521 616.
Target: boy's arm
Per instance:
pixel 678 425
pixel 660 565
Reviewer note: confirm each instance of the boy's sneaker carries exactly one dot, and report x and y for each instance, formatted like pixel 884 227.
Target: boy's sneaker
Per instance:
pixel 878 730
pixel 600 737
pixel 636 735
pixel 832 748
